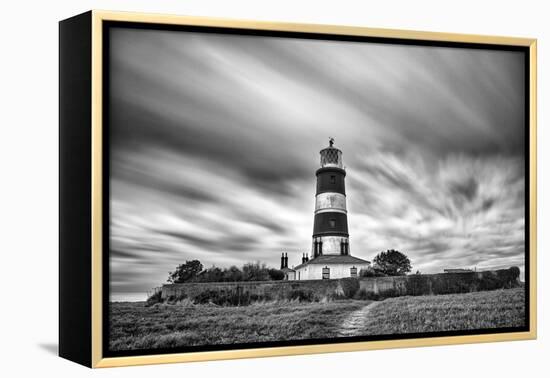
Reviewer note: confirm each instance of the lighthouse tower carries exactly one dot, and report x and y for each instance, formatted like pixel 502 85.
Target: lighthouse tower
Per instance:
pixel 330 225
pixel 330 254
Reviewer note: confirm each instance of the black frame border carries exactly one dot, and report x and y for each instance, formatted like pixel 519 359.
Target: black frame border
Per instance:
pixel 107 25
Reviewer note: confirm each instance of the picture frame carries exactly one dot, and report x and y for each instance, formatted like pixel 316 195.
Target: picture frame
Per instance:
pixel 85 111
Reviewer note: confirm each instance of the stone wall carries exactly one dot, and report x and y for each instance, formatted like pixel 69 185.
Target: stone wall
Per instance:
pixel 259 289
pixel 376 287
pixel 443 283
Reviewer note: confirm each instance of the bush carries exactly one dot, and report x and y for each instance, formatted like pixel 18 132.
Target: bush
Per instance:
pixel 156 297
pixel 172 299
pixel 276 274
pixel 302 295
pixel 510 276
pixel 255 272
pixel 371 272
pixel 489 281
pixel 218 297
pixel 229 297
pixel 185 302
pixel 213 274
pixel 514 272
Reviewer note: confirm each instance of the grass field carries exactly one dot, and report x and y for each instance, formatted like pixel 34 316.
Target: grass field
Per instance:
pixel 480 310
pixel 135 326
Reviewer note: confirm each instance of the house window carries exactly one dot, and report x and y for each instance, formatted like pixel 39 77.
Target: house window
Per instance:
pixel 326 273
pixel 332 223
pixel 353 271
pixel 333 179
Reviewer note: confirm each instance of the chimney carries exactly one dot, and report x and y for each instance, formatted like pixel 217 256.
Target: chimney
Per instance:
pixel 303 258
pixel 282 260
pixel 307 257
pixel 286 260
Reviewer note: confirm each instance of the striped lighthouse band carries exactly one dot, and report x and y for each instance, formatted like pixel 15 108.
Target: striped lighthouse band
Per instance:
pixel 330 245
pixel 330 223
pixel 331 179
pixel 330 202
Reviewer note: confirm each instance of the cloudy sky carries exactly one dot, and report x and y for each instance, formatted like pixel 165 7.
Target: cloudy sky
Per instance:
pixel 215 141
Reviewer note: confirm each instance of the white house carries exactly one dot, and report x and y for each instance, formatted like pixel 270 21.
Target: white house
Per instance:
pixel 330 266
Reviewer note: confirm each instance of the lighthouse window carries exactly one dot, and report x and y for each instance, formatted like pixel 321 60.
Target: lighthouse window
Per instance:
pixel 353 272
pixel 332 223
pixel 333 179
pixel 326 273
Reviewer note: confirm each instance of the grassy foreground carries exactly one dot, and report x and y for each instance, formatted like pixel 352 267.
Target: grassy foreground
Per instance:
pixel 480 310
pixel 135 326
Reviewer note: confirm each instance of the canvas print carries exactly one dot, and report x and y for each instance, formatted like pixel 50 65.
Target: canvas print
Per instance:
pixel 270 189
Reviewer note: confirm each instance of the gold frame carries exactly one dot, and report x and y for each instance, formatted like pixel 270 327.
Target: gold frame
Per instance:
pixel 97 176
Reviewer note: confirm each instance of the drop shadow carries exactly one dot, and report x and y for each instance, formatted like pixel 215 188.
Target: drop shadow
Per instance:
pixel 51 348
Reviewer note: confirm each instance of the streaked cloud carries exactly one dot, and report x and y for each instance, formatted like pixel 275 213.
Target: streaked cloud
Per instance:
pixel 215 142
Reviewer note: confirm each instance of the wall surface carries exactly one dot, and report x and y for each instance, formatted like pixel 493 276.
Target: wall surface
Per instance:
pixel 436 284
pixel 262 289
pixel 421 284
pixel 29 158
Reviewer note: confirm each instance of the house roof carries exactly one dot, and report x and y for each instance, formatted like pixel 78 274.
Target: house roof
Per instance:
pixel 333 259
pixel 287 270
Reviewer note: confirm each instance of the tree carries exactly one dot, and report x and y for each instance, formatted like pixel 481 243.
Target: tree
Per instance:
pixel 213 274
pixel 392 263
pixel 185 272
pixel 192 271
pixel 275 274
pixel 255 272
pixel 232 274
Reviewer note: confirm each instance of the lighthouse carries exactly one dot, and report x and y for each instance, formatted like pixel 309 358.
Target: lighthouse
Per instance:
pixel 330 224
pixel 330 245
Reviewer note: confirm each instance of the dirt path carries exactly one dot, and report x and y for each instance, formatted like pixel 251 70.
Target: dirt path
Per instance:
pixel 354 324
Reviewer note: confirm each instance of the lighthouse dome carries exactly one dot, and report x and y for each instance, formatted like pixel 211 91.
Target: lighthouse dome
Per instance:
pixel 331 156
